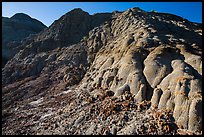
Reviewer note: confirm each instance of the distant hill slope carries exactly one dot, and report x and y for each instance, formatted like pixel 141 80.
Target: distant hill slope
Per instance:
pixel 15 29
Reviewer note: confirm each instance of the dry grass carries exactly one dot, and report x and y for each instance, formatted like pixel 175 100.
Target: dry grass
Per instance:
pixel 182 78
pixel 180 93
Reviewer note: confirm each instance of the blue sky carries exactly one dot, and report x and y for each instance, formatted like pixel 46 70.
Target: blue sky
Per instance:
pixel 47 12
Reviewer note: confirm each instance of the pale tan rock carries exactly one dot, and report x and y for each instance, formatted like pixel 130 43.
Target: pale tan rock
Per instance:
pixel 195 115
pixel 156 97
pixel 122 90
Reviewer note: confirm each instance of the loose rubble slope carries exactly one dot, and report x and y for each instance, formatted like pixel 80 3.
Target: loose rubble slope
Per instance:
pixel 131 72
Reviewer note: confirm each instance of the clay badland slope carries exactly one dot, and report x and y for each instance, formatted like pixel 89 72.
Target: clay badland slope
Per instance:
pixel 131 72
pixel 14 30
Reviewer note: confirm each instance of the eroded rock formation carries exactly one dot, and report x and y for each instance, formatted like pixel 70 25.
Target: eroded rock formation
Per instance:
pixel 102 73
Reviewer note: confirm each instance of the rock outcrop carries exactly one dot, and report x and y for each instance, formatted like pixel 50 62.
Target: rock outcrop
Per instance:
pixel 14 30
pixel 131 72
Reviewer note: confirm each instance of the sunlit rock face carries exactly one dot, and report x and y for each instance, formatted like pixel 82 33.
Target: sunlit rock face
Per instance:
pixel 109 69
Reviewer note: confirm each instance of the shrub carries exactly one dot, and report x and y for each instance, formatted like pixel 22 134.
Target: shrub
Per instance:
pixel 153 11
pixel 182 78
pixel 108 30
pixel 85 38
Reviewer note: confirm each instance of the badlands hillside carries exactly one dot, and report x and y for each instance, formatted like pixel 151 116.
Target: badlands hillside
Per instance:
pixel 14 30
pixel 131 72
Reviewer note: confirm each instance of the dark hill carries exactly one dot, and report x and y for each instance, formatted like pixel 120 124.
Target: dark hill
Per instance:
pixel 15 29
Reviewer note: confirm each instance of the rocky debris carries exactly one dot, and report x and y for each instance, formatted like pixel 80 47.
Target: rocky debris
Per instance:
pixel 108 115
pixel 131 72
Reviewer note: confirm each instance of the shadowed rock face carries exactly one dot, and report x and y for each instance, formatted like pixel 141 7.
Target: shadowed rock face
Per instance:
pixel 85 68
pixel 15 29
